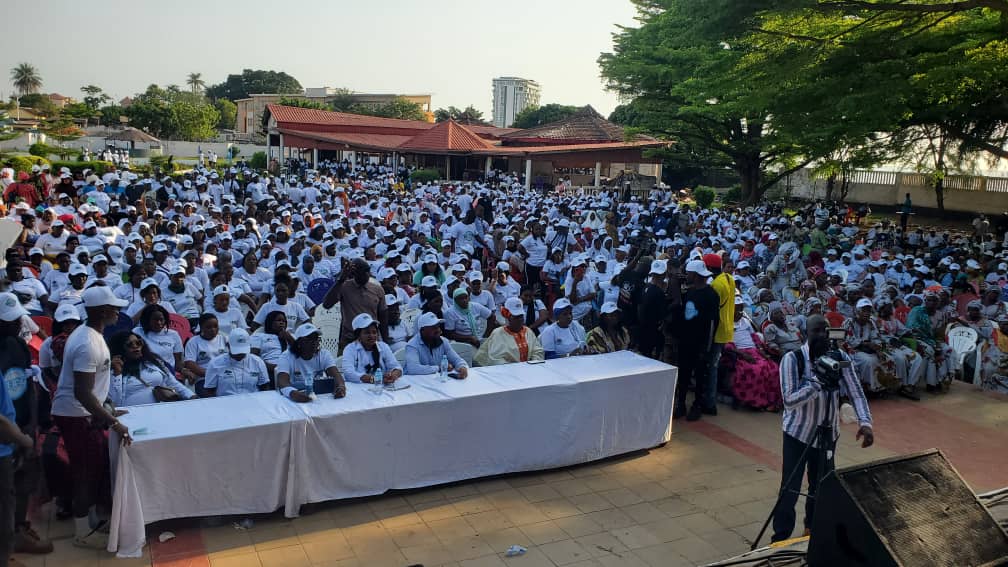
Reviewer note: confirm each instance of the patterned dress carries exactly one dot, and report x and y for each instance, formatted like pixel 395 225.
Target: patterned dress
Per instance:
pixel 757 383
pixel 909 364
pixel 929 330
pixel 994 373
pixel 877 370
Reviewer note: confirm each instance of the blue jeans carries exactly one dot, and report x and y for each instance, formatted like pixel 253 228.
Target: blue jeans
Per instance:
pixel 713 358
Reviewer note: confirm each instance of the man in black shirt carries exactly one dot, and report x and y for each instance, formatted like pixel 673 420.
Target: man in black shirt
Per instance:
pixel 699 319
pixel 651 311
pixel 631 282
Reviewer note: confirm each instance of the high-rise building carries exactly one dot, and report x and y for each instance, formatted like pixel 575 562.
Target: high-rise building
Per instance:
pixel 512 95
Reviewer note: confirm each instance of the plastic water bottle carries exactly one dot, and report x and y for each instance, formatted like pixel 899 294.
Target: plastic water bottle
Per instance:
pixel 443 369
pixel 379 377
pixel 309 383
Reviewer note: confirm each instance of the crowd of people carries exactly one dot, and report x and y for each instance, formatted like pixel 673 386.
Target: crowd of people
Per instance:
pixel 126 289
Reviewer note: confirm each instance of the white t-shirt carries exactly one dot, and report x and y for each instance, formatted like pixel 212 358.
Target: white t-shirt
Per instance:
pixel 85 351
pixel 563 341
pixel 229 320
pixel 294 312
pixel 537 249
pixel 163 345
pixel 300 369
pixel 201 351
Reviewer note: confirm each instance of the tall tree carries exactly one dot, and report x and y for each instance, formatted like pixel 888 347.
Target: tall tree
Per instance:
pixel 538 115
pixel 196 82
pixel 399 107
pixel 228 113
pixel 468 115
pixel 95 97
pixel 173 114
pixel 302 103
pixel 341 100
pixel 26 78
pixel 254 82
pixel 680 75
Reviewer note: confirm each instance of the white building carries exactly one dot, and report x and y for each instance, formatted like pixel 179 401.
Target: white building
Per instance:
pixel 511 95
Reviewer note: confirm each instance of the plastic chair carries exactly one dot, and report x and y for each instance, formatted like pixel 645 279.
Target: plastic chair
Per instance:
pixel 409 319
pixel 180 325
pixel 962 340
pixel 329 320
pixel 330 341
pixel 465 350
pixel 901 313
pixel 318 288
pixel 44 323
pixel 400 355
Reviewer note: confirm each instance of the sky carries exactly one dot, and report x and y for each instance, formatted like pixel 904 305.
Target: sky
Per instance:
pixel 448 48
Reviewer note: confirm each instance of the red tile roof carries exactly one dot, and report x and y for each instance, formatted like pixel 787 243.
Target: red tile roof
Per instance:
pixel 585 126
pixel 446 137
pixel 296 115
pixel 380 142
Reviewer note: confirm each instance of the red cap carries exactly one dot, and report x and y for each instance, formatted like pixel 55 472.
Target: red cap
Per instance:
pixel 712 261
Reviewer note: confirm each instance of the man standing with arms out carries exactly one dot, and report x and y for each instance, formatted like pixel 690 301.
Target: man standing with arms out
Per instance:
pixel 359 295
pixel 699 319
pixel 805 405
pixel 77 410
pixel 724 285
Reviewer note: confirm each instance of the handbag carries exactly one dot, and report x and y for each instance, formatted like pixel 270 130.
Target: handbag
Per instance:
pixel 161 393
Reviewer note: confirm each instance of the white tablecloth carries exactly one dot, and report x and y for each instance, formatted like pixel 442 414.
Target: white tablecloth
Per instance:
pixel 258 452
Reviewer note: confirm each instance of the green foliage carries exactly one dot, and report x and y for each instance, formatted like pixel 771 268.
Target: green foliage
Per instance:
pixel 258 161
pixel 425 175
pixel 40 103
pixel 341 100
pixel 26 78
pixel 254 82
pixel 95 97
pixel 538 115
pixel 399 107
pixel 228 112
pixel 173 114
pixel 196 82
pixel 109 115
pixel 162 163
pixel 39 149
pixel 468 115
pixel 704 196
pixel 25 163
pixel 733 195
pixel 79 111
pixel 627 115
pixel 302 103
pixel 97 166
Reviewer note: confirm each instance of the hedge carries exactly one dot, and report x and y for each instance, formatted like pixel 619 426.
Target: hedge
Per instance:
pixel 425 175
pixel 25 163
pixel 258 161
pixel 704 196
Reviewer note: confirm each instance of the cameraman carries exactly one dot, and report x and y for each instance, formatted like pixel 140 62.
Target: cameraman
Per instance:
pixel 805 404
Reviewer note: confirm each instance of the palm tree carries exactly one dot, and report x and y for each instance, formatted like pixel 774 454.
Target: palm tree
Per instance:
pixel 26 78
pixel 195 82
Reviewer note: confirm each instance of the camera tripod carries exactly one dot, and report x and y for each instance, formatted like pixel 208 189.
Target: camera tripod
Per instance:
pixel 826 443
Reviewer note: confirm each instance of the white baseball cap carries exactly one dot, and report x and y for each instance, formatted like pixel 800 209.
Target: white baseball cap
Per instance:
pixel 659 267
pixel 562 303
pixel 697 267
pixel 362 321
pixel 307 330
pixel 609 307
pixel 863 302
pixel 10 307
pixel 66 312
pixel 515 306
pixel 239 341
pixel 99 296
pixel 149 282
pixel 428 319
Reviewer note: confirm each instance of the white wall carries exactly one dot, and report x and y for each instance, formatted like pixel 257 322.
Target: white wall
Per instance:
pixel 176 148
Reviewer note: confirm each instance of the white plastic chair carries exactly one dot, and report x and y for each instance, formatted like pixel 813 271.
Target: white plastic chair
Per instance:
pixel 843 275
pixel 400 355
pixel 330 342
pixel 962 340
pixel 481 327
pixel 465 350
pixel 409 319
pixel 329 320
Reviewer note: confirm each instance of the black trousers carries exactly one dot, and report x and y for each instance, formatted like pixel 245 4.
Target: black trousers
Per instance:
pixel 784 516
pixel 692 368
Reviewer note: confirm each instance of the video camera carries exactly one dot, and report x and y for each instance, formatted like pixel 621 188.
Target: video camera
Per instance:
pixel 829 367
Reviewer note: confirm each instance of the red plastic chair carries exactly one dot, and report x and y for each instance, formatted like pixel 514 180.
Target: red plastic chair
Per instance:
pixel 44 323
pixel 180 325
pixel 901 313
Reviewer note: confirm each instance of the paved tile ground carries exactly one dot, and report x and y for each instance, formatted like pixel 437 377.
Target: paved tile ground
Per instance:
pixel 699 498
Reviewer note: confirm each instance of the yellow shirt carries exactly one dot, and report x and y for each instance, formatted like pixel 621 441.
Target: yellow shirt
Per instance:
pixel 724 285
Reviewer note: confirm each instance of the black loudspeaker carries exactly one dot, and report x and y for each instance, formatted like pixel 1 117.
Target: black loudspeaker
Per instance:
pixel 911 511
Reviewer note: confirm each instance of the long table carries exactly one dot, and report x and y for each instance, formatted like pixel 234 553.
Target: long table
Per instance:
pixel 256 453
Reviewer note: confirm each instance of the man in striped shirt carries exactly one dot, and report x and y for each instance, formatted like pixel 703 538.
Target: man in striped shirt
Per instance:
pixel 805 405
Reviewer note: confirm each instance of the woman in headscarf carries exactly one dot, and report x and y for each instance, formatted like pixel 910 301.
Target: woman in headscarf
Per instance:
pixel 781 337
pixel 756 381
pixel 465 321
pixel 513 342
pixel 928 322
pixel 993 307
pixel 864 343
pixel 897 341
pixel 994 369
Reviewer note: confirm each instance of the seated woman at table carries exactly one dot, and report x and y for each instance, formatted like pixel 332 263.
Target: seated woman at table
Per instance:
pixel 165 343
pixel 304 363
pixel 237 371
pixel 272 340
pixel 136 371
pixel 200 349
pixel 564 337
pixel 424 351
pixel 464 318
pixel 610 335
pixel 399 335
pixel 367 353
pixel 513 342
